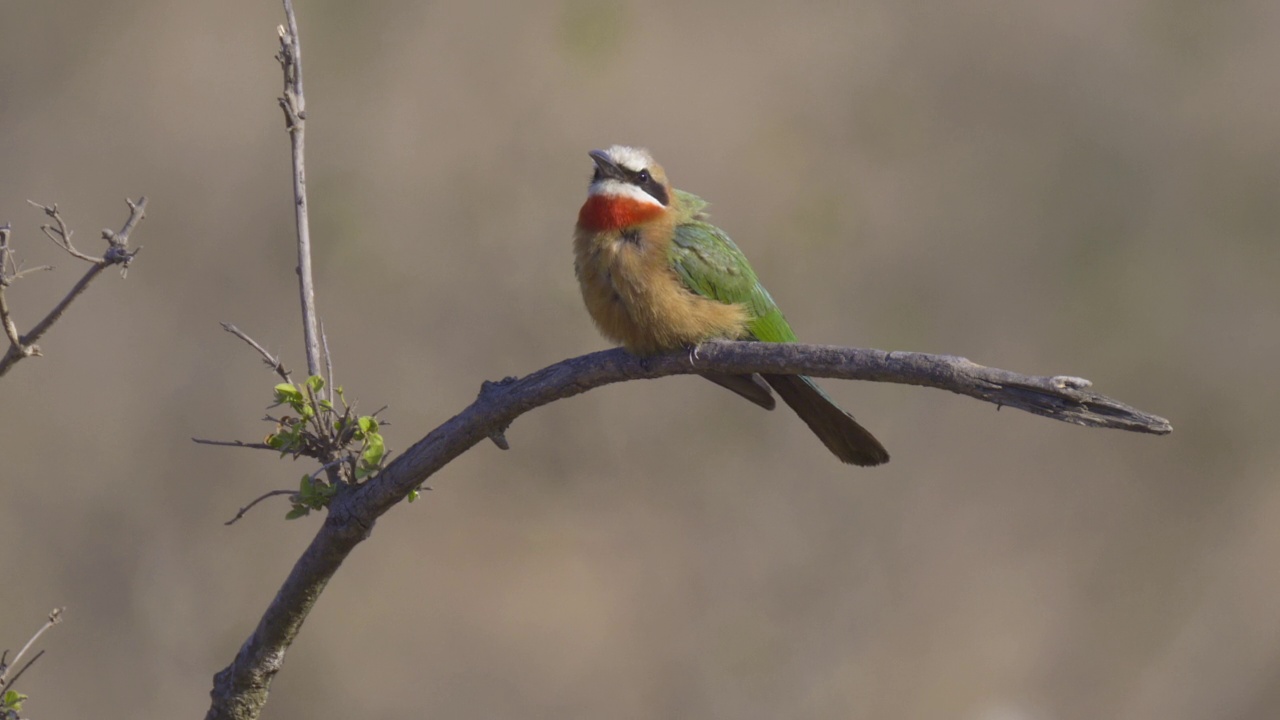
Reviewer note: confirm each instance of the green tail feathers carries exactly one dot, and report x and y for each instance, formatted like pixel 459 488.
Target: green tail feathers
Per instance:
pixel 834 427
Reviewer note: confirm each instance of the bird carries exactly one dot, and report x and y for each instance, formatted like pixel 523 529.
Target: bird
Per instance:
pixel 657 276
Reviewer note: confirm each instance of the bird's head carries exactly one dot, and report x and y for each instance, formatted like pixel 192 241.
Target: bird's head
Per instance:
pixel 628 189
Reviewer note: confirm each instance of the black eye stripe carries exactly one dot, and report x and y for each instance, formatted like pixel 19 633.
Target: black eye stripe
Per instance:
pixel 656 190
pixel 646 182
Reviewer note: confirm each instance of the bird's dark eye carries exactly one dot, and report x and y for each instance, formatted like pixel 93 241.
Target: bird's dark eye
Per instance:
pixel 595 176
pixel 642 177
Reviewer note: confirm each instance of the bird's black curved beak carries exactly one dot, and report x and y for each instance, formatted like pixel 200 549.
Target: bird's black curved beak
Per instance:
pixel 605 165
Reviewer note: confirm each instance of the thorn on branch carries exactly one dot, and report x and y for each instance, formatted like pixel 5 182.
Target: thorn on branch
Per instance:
pixel 488 387
pixel 492 388
pixel 499 438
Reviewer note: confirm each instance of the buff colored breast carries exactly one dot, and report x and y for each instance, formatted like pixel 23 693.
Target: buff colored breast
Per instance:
pixel 636 298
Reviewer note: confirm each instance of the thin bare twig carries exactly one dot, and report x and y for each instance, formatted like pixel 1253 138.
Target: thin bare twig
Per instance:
pixel 294 104
pixel 330 465
pixel 11 330
pixel 28 271
pixel 117 253
pixel 328 359
pixel 10 268
pixel 272 361
pixel 6 260
pixel 234 443
pixel 257 500
pixel 30 662
pixel 6 277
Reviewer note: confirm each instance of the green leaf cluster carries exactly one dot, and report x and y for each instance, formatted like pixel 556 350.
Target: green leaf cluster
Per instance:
pixel 349 443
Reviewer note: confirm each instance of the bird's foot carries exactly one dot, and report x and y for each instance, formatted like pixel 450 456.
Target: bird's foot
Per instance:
pixel 693 353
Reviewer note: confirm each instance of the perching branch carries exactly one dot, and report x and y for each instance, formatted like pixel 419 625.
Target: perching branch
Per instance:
pixel 241 689
pixel 294 104
pixel 117 253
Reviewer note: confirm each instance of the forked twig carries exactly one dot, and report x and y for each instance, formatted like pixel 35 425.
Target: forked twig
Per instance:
pixel 55 617
pixel 117 253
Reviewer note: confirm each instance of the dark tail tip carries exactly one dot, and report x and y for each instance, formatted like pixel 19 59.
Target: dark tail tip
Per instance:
pixel 837 429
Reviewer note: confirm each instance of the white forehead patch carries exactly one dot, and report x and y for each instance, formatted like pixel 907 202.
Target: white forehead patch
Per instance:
pixel 619 189
pixel 635 159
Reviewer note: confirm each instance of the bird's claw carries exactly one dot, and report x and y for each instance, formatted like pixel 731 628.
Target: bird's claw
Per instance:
pixel 693 353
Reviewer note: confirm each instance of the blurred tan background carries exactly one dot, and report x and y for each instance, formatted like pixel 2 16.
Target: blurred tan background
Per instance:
pixel 1085 188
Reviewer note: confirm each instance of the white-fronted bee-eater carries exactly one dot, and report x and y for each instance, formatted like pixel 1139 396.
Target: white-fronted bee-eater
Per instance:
pixel 657 276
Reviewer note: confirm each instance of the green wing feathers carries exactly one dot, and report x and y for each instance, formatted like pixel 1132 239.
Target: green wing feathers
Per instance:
pixel 711 265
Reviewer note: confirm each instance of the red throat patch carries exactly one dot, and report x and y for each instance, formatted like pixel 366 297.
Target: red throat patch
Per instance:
pixel 602 213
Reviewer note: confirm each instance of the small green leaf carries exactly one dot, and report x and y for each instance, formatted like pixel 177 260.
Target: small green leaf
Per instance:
pixel 284 440
pixel 13 700
pixel 297 512
pixel 316 383
pixel 413 494
pixel 287 393
pixel 368 424
pixel 373 450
